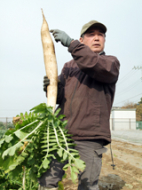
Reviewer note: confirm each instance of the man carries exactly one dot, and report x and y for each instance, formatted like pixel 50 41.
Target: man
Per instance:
pixel 85 96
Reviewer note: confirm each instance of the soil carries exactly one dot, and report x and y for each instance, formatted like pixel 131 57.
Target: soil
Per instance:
pixel 128 170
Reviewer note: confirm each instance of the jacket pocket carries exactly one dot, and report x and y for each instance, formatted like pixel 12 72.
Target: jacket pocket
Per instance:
pixel 86 115
pixel 95 116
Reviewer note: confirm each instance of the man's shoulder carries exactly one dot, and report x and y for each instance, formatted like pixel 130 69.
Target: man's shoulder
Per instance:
pixel 112 57
pixel 70 63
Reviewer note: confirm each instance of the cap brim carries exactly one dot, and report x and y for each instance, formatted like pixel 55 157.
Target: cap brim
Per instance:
pixel 95 24
pixel 98 25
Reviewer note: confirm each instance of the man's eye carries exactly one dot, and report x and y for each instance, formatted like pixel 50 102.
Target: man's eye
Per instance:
pixel 100 34
pixel 91 34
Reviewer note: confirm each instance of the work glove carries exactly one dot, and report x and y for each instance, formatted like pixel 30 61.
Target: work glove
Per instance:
pixel 62 37
pixel 46 82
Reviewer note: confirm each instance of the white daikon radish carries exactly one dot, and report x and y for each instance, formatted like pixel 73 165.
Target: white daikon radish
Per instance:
pixel 50 64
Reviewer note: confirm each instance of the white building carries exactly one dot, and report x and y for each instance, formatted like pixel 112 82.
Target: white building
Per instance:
pixel 123 119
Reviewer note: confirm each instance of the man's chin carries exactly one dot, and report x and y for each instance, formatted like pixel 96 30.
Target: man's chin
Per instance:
pixel 96 51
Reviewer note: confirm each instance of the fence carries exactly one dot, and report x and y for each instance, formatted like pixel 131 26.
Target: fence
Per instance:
pixel 115 124
pixel 139 125
pixel 122 124
pixel 5 123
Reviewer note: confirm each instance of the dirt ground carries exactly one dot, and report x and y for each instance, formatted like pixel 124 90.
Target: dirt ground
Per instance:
pixel 128 170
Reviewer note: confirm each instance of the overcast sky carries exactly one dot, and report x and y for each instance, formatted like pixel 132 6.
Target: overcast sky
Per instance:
pixel 21 55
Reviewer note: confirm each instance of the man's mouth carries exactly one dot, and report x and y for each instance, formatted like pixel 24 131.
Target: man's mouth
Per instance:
pixel 96 45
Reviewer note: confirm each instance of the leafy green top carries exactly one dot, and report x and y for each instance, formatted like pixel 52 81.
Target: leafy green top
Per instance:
pixel 36 139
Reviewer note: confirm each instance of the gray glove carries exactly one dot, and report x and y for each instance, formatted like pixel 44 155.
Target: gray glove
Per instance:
pixel 46 82
pixel 62 37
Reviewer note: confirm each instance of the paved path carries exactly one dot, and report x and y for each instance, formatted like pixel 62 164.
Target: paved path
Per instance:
pixel 132 136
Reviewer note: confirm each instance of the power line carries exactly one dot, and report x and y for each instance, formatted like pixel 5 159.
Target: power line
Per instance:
pixel 129 87
pixel 126 76
pixel 128 99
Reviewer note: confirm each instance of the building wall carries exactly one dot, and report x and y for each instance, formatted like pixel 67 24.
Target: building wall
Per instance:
pixel 123 119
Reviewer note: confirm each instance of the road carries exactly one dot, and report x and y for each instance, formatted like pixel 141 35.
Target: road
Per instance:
pixel 132 136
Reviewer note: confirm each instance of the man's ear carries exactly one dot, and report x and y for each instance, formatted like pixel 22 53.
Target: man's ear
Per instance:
pixel 81 40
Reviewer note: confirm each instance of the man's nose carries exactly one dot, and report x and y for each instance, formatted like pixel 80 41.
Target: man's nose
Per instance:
pixel 96 37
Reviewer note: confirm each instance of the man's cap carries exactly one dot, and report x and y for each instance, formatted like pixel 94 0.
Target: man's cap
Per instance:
pixel 91 23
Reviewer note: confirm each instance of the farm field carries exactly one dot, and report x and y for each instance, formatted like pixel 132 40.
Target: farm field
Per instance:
pixel 128 171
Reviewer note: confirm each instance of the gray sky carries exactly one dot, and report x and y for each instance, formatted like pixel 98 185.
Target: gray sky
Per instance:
pixel 21 55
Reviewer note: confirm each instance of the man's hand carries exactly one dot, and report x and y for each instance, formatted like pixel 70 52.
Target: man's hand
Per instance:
pixel 46 82
pixel 62 37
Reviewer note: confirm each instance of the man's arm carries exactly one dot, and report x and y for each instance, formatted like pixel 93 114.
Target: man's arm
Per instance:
pixel 100 67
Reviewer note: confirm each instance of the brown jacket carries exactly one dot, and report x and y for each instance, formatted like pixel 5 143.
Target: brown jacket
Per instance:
pixel 86 92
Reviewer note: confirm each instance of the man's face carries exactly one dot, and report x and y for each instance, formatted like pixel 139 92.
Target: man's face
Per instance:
pixel 94 39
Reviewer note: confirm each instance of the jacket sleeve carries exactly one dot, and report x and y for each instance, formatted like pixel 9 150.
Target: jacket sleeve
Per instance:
pixel 100 67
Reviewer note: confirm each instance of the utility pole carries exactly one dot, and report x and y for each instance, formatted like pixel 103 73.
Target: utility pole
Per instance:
pixel 138 68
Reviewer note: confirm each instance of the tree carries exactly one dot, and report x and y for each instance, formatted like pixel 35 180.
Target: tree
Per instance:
pixel 140 101
pixel 2 126
pixel 10 125
pixel 139 112
pixel 138 107
pixel 129 105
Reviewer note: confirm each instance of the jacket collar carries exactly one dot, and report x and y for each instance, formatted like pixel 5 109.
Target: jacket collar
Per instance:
pixel 102 53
